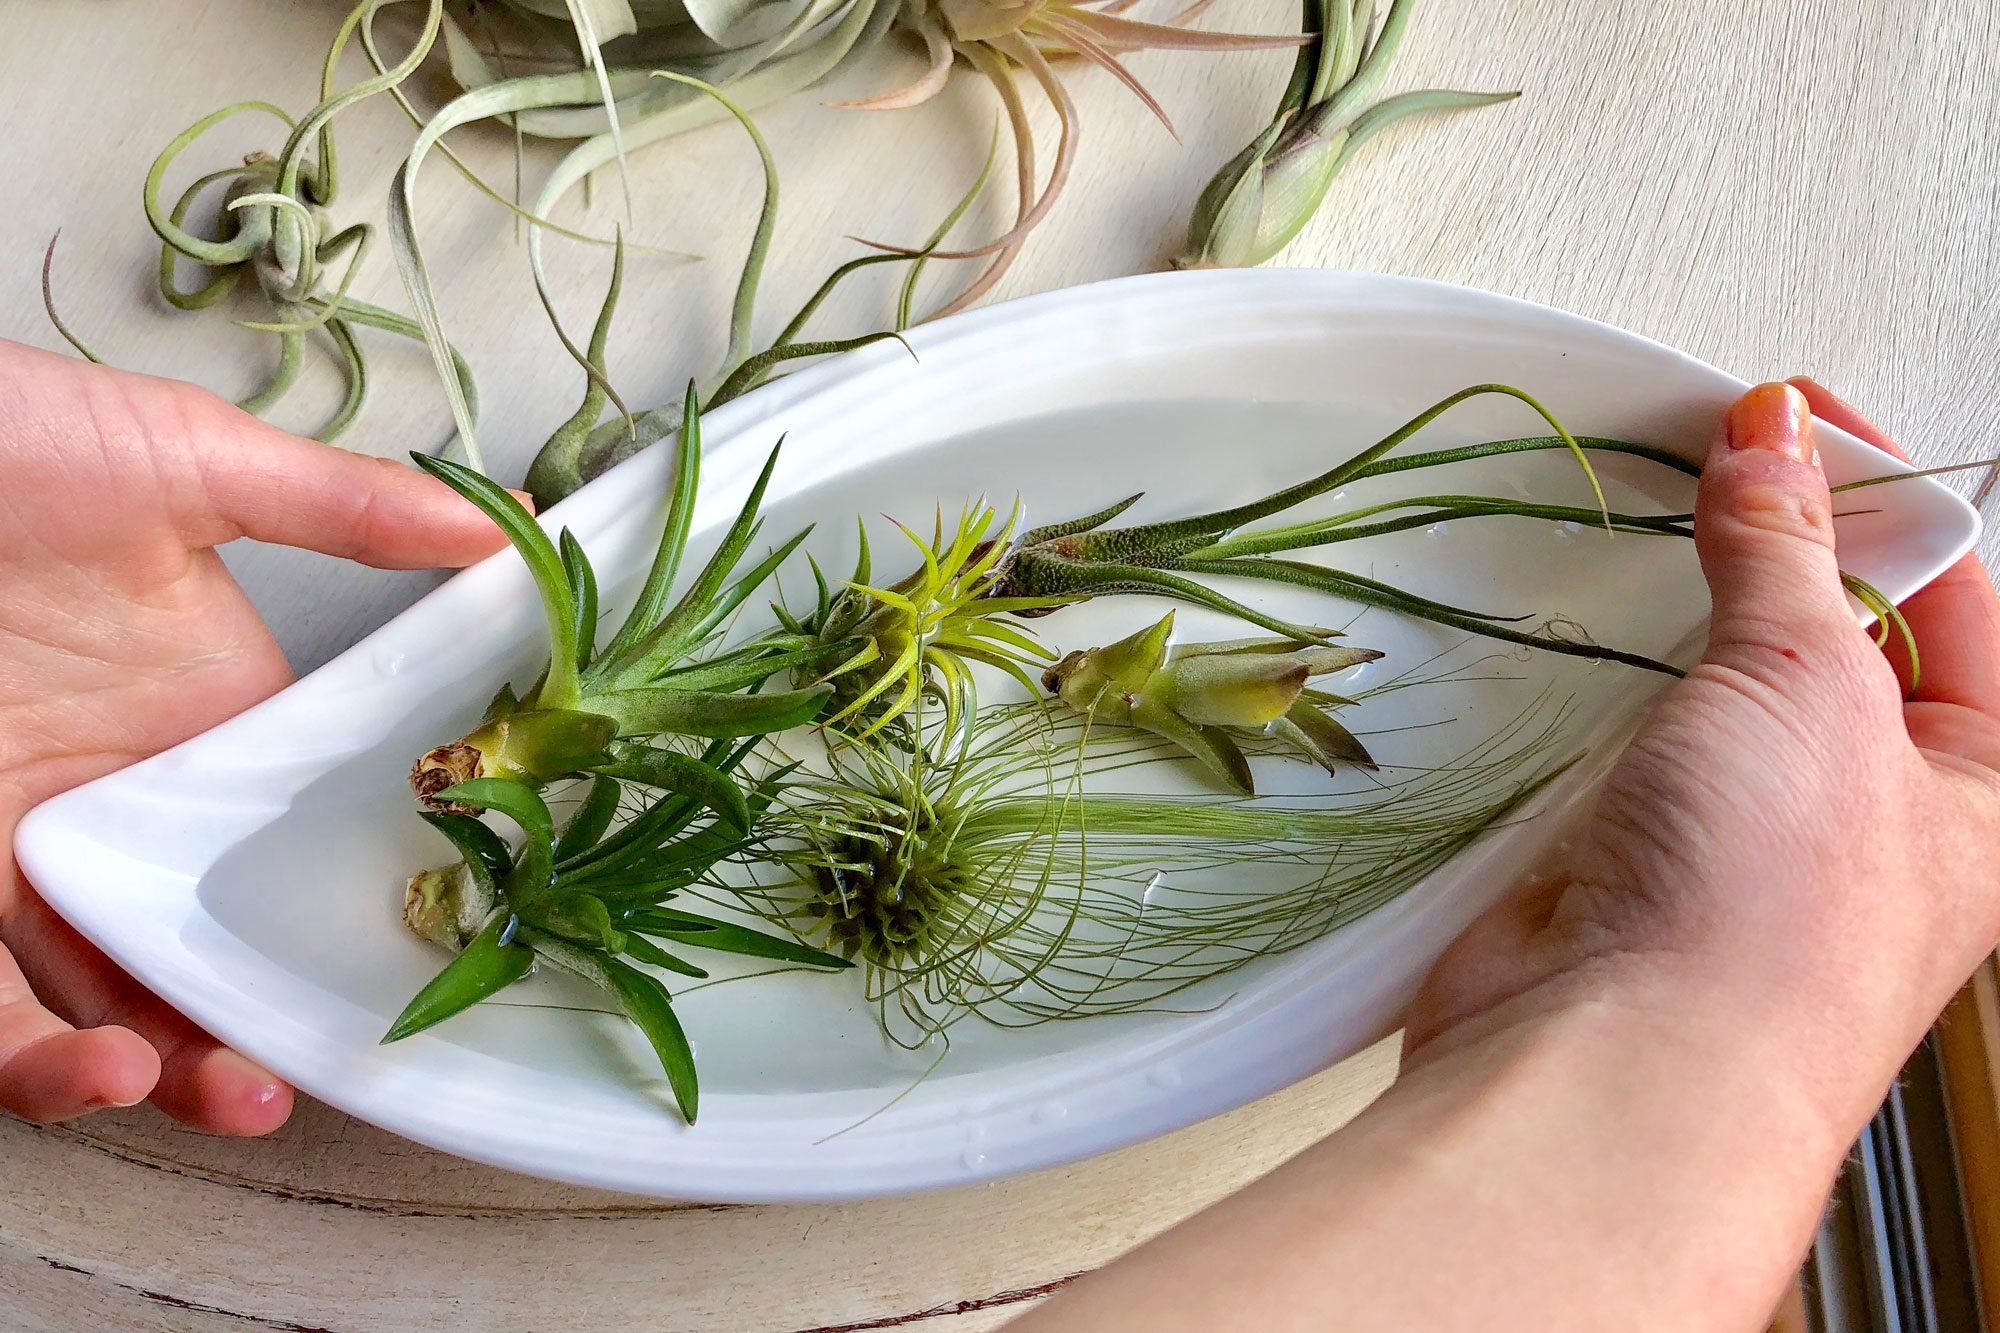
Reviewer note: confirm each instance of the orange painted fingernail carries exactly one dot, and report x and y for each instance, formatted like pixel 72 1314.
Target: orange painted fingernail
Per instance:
pixel 1774 417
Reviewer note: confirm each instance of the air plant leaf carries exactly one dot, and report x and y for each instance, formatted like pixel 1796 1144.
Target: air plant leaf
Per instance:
pixel 648 1005
pixel 1197 695
pixel 483 849
pixel 652 712
pixel 726 937
pixel 545 564
pixel 668 770
pixel 1087 558
pixel 591 820
pixel 483 968
pixel 1265 195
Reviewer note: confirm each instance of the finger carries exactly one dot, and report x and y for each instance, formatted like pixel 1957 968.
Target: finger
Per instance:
pixel 257 481
pixel 71 1073
pixel 1764 530
pixel 50 1071
pixel 1955 619
pixel 1834 410
pixel 201 1082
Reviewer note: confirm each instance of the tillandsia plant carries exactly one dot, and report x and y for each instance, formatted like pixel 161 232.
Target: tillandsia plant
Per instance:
pixel 657 675
pixel 921 634
pixel 581 449
pixel 272 227
pixel 1207 698
pixel 589 899
pixel 756 54
pixel 990 872
pixel 1265 195
pixel 1084 557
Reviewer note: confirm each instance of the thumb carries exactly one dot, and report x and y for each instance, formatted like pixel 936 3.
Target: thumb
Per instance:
pixel 260 482
pixel 1764 530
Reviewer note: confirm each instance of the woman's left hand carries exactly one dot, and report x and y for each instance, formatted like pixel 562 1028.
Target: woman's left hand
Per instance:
pixel 121 634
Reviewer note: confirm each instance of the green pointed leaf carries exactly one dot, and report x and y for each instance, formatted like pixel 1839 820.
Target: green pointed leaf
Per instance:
pixel 486 853
pixel 647 1003
pixel 1324 740
pixel 583 595
pixel 670 771
pixel 559 689
pixel 659 711
pixel 646 611
pixel 1211 745
pixel 727 937
pixel 484 968
pixel 590 821
pixel 646 951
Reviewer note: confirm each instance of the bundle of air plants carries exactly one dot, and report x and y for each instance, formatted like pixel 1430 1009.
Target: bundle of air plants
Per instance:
pixel 837 788
pixel 611 76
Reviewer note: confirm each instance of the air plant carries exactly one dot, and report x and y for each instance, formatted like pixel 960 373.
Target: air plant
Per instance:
pixel 754 55
pixel 591 900
pixel 272 228
pixel 581 449
pixel 991 874
pixel 1266 194
pixel 658 675
pixel 1206 697
pixel 1083 557
pixel 923 632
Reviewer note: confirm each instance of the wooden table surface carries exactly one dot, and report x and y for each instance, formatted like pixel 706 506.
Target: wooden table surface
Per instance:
pixel 1778 186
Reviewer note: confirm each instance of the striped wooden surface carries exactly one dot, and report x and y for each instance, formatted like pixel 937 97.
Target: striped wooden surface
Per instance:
pixel 1780 186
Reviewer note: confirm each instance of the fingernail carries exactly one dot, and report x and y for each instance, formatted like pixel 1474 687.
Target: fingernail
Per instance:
pixel 1773 417
pixel 527 500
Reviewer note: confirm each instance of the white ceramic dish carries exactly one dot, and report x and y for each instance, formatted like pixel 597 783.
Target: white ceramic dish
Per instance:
pixel 252 876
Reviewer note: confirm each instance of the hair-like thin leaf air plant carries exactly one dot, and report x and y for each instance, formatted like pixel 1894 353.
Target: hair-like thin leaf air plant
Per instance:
pixel 987 872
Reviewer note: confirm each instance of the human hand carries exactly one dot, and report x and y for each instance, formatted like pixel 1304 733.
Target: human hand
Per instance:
pixel 121 634
pixel 1790 855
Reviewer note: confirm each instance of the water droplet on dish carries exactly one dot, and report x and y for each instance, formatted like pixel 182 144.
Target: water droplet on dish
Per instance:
pixel 1567 530
pixel 972 1161
pixel 975 1133
pixel 390 664
pixel 1048 1113
pixel 1164 1076
pixel 1434 530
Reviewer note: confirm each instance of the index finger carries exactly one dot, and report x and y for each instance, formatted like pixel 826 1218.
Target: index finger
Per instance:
pixel 1956 617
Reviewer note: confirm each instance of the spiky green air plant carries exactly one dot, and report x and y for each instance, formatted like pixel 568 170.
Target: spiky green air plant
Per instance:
pixel 1085 558
pixel 1204 696
pixel 656 676
pixel 994 873
pixel 1267 193
pixel 593 900
pixel 919 635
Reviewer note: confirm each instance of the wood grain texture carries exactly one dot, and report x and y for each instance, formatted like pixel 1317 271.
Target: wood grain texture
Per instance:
pixel 1779 186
